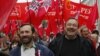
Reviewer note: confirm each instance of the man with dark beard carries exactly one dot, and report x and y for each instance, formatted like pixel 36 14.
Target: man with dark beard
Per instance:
pixel 28 46
pixel 70 43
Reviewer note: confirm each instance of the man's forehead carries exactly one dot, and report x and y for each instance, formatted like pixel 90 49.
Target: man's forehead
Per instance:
pixel 72 21
pixel 25 27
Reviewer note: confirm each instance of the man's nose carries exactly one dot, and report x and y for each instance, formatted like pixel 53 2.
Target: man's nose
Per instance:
pixel 71 26
pixel 24 34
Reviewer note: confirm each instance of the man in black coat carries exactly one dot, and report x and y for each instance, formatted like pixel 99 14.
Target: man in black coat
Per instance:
pixel 70 43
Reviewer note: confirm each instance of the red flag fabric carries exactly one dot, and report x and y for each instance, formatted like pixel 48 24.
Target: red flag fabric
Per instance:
pixel 20 12
pixel 5 9
pixel 7 28
pixel 54 16
pixel 93 17
pixel 15 18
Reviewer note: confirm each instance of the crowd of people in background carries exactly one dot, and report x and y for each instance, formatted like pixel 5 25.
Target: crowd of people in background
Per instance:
pixel 73 41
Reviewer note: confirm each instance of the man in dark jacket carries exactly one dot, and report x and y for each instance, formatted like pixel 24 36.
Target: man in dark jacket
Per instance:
pixel 28 46
pixel 71 44
pixel 3 54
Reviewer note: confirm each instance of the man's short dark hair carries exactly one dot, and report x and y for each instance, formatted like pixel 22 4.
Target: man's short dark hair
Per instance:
pixel 84 27
pixel 95 32
pixel 32 27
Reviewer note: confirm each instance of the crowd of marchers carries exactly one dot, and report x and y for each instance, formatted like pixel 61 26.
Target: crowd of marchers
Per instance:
pixel 72 41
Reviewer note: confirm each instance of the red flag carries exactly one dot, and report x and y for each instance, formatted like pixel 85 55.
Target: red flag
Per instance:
pixel 7 28
pixel 90 15
pixel 5 9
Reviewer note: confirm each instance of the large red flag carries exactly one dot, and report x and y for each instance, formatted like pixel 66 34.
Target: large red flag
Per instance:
pixel 89 14
pixel 5 9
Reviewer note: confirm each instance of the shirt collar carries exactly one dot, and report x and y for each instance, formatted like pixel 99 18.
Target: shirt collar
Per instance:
pixel 25 48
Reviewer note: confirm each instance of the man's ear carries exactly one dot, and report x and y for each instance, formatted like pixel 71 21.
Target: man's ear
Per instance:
pixel 34 34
